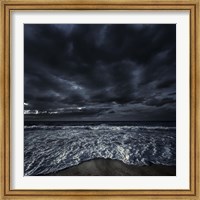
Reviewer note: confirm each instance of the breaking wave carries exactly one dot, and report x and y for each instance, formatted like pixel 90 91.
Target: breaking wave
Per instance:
pixel 49 149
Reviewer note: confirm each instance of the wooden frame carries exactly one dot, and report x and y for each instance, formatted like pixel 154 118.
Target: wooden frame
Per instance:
pixel 8 5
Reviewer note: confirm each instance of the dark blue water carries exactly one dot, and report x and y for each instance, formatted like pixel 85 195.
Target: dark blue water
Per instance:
pixel 52 146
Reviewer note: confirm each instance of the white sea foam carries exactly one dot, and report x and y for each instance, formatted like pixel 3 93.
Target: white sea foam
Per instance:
pixel 52 148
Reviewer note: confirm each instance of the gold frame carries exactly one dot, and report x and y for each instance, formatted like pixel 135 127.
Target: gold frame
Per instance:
pixel 7 6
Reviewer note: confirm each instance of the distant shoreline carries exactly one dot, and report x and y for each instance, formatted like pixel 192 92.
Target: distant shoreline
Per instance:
pixel 108 167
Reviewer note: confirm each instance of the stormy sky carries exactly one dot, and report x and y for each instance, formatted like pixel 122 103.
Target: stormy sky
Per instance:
pixel 100 72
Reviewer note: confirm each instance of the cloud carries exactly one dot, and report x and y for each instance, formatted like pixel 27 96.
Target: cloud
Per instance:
pixel 102 68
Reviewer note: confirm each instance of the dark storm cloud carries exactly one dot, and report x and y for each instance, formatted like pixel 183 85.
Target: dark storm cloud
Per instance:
pixel 160 102
pixel 97 72
pixel 166 84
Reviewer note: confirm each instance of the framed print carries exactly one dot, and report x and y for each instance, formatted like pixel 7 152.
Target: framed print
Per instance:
pixel 99 99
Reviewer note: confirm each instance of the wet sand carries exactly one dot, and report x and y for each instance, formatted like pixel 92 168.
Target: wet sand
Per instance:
pixel 108 167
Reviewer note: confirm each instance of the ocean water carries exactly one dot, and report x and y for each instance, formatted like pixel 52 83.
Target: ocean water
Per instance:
pixel 53 146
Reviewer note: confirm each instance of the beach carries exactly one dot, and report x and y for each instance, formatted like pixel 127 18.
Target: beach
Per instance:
pixel 85 148
pixel 109 167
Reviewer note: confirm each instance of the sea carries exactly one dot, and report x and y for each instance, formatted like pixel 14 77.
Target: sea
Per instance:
pixel 52 146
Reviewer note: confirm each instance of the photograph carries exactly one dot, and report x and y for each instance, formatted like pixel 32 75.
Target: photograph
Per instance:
pixel 99 99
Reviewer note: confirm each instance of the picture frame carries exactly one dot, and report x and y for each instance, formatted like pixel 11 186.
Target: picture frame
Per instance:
pixel 9 6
